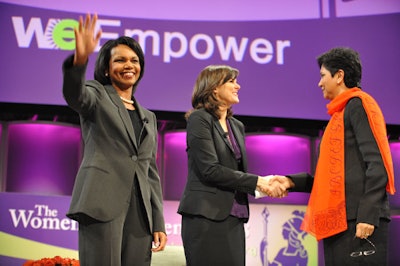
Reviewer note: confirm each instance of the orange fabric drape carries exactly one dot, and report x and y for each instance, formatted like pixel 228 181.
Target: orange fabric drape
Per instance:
pixel 326 210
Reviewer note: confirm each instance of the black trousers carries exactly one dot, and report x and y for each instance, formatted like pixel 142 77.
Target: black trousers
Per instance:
pixel 213 243
pixel 124 241
pixel 337 248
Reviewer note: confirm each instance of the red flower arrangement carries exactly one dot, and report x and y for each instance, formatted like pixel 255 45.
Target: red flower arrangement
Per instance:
pixel 56 261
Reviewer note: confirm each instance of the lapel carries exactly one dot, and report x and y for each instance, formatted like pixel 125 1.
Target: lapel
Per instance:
pixel 220 130
pixel 240 141
pixel 123 113
pixel 238 135
pixel 145 123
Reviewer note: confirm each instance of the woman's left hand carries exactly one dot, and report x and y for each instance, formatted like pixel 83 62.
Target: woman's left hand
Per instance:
pixel 86 39
pixel 159 241
pixel 364 230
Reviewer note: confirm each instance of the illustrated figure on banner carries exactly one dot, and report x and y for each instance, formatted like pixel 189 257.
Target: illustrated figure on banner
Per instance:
pixel 294 253
pixel 264 242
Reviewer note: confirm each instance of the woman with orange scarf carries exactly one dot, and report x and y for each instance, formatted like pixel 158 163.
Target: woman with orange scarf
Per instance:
pixel 348 206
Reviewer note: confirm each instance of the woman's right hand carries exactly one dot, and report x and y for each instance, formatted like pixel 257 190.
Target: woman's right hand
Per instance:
pixel 85 39
pixel 274 186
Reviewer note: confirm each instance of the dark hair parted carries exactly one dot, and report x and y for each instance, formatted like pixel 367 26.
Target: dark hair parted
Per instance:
pixel 209 79
pixel 345 59
pixel 103 59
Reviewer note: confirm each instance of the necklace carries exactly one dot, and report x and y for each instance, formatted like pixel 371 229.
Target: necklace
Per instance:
pixel 126 100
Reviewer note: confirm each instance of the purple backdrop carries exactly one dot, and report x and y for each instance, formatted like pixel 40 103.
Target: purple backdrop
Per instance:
pixel 273 46
pixel 42 158
pixel 174 164
pixel 267 154
pixel 395 150
pixel 279 154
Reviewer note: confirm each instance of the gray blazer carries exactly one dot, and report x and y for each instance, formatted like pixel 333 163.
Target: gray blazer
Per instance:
pixel 112 157
pixel 214 174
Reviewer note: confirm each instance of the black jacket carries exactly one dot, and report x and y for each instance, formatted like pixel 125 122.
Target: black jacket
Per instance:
pixel 213 171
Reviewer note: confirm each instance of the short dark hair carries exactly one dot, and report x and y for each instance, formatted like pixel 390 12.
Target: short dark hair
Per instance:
pixel 103 59
pixel 203 92
pixel 345 59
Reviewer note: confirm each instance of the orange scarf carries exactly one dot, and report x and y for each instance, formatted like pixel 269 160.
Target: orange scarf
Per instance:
pixel 326 210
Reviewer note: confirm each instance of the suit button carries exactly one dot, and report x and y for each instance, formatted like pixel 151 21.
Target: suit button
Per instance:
pixel 134 158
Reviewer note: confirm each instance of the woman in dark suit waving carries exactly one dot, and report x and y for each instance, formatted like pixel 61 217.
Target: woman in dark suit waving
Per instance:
pixel 117 197
pixel 214 205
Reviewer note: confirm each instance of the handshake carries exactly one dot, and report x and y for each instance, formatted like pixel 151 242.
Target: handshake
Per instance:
pixel 275 186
